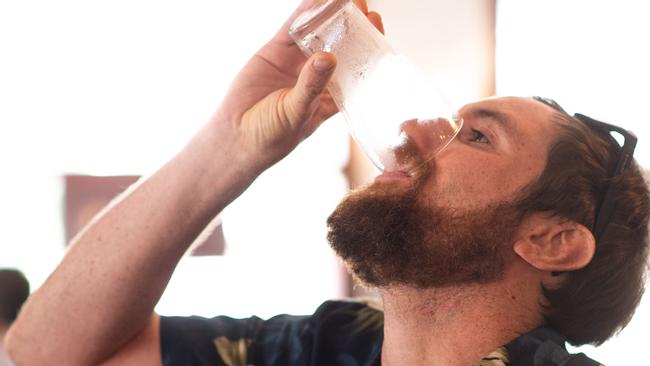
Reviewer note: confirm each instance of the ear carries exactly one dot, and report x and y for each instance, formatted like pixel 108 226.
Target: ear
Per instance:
pixel 551 243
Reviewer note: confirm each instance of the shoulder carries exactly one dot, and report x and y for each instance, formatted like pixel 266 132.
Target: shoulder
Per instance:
pixel 350 316
pixel 544 346
pixel 350 306
pixel 350 328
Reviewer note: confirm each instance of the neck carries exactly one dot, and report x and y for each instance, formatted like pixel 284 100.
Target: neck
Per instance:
pixel 454 325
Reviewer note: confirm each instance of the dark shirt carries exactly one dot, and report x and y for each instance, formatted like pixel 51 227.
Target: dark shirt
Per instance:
pixel 339 333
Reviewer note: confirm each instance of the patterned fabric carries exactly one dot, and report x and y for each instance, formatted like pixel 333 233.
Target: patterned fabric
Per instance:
pixel 339 333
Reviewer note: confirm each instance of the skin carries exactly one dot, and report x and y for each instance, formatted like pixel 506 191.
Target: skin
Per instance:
pixel 3 353
pixel 475 170
pixel 97 306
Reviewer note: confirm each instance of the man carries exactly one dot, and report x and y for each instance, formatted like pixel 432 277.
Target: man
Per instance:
pixel 14 290
pixel 492 253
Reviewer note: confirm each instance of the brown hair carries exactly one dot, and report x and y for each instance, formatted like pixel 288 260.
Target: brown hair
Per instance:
pixel 598 300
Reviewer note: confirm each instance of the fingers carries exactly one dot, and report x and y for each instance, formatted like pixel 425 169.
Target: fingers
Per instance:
pixel 362 4
pixel 300 101
pixel 375 19
pixel 373 16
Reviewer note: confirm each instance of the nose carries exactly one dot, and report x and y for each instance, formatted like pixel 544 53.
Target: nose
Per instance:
pixel 430 135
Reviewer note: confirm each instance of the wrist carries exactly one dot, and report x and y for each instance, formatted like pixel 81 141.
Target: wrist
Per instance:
pixel 224 162
pixel 249 147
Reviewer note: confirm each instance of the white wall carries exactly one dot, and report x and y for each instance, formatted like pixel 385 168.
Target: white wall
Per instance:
pixel 451 41
pixel 593 57
pixel 116 87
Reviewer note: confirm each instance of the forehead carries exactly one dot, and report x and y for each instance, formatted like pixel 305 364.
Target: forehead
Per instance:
pixel 522 116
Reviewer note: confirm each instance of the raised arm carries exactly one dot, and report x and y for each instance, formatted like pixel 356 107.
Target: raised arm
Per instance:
pixel 98 303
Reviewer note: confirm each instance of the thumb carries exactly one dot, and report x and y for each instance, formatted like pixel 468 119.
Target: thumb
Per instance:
pixel 313 78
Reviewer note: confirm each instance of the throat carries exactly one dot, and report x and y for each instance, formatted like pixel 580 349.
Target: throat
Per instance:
pixel 448 326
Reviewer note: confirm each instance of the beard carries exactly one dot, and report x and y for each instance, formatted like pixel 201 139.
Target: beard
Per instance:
pixel 387 237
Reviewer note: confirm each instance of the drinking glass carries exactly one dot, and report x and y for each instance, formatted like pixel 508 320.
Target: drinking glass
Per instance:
pixel 375 89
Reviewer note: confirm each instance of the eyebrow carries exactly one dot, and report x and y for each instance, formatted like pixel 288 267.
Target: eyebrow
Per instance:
pixel 502 120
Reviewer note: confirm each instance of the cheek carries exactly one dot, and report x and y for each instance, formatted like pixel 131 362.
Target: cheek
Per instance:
pixel 472 184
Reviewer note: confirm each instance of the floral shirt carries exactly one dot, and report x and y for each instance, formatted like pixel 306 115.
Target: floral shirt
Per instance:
pixel 339 333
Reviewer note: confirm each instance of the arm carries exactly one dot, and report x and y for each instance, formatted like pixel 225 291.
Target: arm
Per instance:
pixel 103 292
pixel 97 305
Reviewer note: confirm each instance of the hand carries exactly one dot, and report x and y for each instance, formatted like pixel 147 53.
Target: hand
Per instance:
pixel 279 98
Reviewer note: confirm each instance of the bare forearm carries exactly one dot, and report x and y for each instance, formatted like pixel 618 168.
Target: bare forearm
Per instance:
pixel 104 291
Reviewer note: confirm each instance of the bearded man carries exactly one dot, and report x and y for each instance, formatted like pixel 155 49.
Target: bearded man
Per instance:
pixel 530 229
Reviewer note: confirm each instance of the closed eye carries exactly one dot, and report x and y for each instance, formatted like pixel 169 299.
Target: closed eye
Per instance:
pixel 478 136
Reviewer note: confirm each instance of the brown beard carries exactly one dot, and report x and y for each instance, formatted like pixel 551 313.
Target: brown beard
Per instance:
pixel 388 238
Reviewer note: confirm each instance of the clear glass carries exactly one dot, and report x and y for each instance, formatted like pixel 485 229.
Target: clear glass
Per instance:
pixel 376 90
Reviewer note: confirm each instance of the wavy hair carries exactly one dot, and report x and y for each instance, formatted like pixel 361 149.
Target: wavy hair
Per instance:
pixel 597 301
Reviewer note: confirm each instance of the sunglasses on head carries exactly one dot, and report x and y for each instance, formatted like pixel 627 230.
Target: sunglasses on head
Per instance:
pixel 607 205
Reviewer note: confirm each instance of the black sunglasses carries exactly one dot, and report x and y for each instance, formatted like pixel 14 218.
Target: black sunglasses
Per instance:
pixel 607 205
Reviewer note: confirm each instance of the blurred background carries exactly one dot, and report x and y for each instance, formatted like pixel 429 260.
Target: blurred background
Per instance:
pixel 94 94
